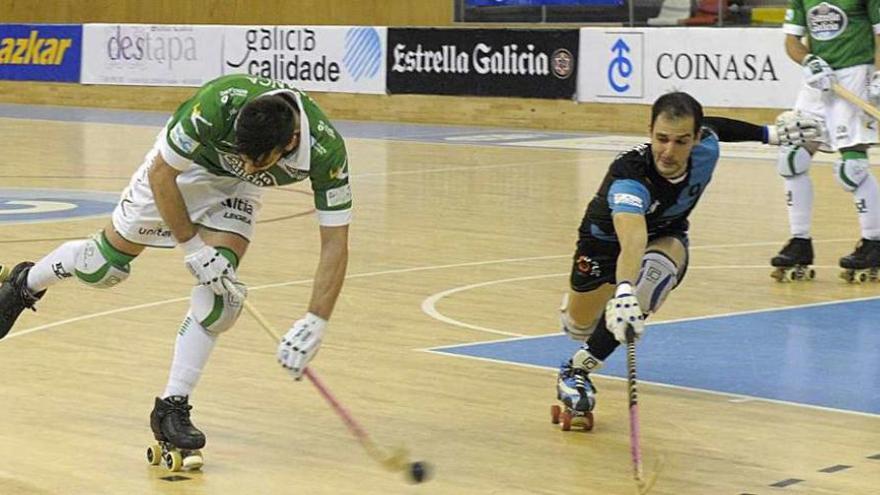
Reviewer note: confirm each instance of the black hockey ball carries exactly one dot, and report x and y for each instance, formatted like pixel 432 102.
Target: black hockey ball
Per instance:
pixel 418 471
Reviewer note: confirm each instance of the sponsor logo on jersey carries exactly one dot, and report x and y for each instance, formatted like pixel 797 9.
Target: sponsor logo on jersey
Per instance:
pixel 826 22
pixel 179 138
pixel 340 173
pixel 34 50
pixel 339 196
pixel 588 267
pixel 628 199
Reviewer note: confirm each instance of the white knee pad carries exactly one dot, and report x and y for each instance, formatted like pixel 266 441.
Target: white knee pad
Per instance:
pixel 95 265
pixel 657 278
pixel 850 173
pixel 576 332
pixel 793 161
pixel 216 313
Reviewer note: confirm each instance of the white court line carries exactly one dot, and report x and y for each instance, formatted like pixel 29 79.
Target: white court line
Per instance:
pixel 733 398
pixel 429 304
pixel 361 275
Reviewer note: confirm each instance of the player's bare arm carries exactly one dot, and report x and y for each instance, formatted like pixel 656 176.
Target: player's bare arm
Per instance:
pixel 330 273
pixel 632 231
pixel 795 48
pixel 169 200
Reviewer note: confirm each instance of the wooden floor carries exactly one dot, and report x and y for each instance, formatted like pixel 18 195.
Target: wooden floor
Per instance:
pixel 79 376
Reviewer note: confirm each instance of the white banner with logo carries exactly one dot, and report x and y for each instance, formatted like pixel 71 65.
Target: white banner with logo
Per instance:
pixel 151 55
pixel 348 59
pixel 736 67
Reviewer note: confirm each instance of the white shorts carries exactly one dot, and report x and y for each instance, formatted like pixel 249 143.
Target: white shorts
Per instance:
pixel 226 204
pixel 847 124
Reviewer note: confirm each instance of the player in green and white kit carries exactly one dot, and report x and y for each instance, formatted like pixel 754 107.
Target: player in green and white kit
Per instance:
pixel 200 187
pixel 841 48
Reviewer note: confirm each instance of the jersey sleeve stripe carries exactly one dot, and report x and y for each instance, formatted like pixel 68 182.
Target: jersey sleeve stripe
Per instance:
pixel 335 218
pixel 794 29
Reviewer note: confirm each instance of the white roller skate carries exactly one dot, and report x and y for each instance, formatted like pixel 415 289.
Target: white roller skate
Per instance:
pixel 578 397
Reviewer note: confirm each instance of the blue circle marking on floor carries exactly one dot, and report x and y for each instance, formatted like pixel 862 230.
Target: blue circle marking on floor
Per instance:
pixel 22 205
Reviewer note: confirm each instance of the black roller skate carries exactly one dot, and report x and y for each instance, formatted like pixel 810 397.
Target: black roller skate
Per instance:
pixel 177 440
pixel 578 396
pixel 793 261
pixel 15 296
pixel 863 264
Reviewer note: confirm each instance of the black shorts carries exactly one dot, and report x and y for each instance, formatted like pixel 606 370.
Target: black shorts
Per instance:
pixel 595 261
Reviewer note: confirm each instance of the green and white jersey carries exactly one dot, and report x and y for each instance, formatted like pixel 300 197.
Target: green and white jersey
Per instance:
pixel 840 31
pixel 201 133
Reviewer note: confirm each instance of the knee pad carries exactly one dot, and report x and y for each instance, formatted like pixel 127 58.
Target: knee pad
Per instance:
pixel 216 313
pixel 793 161
pixel 851 172
pixel 657 277
pixel 101 266
pixel 576 332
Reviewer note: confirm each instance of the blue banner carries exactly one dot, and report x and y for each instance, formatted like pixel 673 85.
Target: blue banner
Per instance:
pixel 40 52
pixel 538 3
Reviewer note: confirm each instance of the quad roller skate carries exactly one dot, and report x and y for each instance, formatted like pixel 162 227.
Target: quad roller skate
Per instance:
pixel 793 261
pixel 177 440
pixel 578 396
pixel 863 264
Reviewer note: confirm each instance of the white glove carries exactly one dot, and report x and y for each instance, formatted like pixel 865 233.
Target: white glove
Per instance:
pixel 207 265
pixel 301 343
pixel 622 311
pixel 795 129
pixel 874 88
pixel 818 73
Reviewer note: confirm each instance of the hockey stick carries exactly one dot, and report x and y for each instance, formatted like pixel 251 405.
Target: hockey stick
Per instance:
pixel 642 485
pixel 855 100
pixel 395 461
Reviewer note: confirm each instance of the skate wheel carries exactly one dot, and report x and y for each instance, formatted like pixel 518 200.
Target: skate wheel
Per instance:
pixel 862 277
pixel 555 411
pixel 193 460
pixel 588 421
pixel 789 275
pixel 565 419
pixel 154 454
pixel 173 460
pixel 811 274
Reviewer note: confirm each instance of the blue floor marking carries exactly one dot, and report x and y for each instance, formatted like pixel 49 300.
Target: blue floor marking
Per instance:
pixel 824 355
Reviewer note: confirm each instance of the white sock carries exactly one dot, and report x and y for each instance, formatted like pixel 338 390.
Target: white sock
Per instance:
pixel 799 196
pixel 55 266
pixel 867 199
pixel 191 352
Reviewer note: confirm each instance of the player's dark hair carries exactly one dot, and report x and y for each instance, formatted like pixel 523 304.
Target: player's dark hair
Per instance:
pixel 678 105
pixel 264 124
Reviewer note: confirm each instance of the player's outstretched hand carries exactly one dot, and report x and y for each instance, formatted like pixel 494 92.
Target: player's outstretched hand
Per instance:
pixel 874 89
pixel 795 129
pixel 207 265
pixel 300 344
pixel 622 310
pixel 818 73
